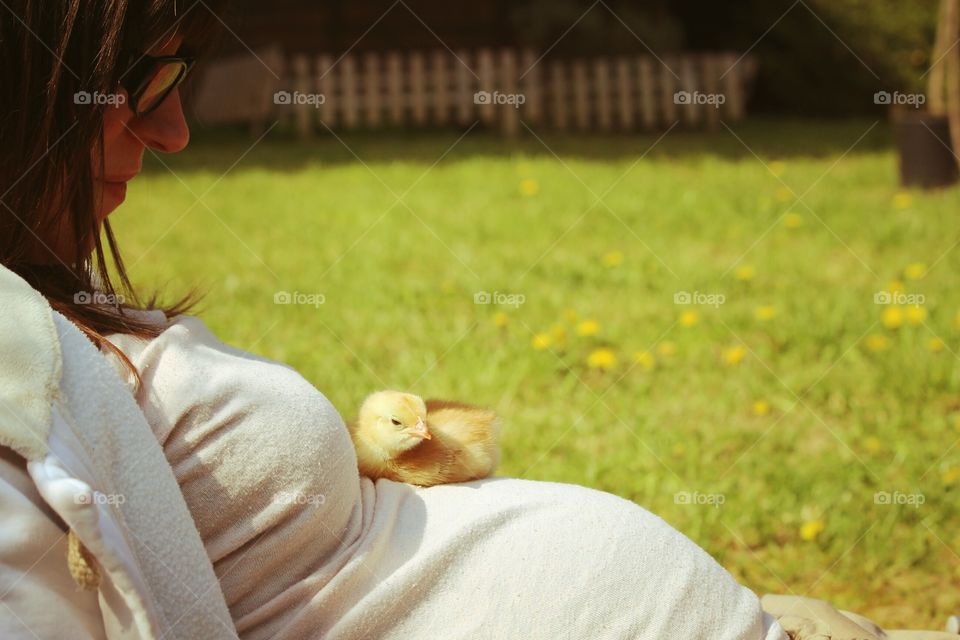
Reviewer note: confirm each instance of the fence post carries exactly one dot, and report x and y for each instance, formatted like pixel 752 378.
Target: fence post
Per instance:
pixel 603 94
pixel 463 75
pixel 418 88
pixel 559 96
pixel 691 84
pixel 710 65
pixel 395 88
pixel 440 86
pixel 510 114
pixel 301 83
pixel 625 94
pixel 326 85
pixel 348 81
pixel 532 87
pixel 485 70
pixel 668 87
pixel 648 92
pixel 372 86
pixel 733 87
pixel 581 95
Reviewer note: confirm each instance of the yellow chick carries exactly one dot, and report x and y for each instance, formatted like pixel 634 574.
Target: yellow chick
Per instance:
pixel 401 437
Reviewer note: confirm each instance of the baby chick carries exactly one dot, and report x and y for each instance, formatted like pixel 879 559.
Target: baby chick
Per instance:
pixel 399 436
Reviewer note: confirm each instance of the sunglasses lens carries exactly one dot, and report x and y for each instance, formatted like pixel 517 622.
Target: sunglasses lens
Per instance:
pixel 167 77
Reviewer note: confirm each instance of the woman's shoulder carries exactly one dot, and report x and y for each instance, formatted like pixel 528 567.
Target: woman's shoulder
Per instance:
pixel 187 372
pixel 182 334
pixel 188 350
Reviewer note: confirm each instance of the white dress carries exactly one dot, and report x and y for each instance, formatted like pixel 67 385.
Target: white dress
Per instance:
pixel 304 547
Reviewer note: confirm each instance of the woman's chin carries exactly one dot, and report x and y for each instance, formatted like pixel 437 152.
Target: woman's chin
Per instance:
pixel 107 206
pixel 115 193
pixel 110 195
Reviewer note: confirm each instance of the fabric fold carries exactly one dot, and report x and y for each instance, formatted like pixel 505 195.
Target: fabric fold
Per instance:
pixel 29 366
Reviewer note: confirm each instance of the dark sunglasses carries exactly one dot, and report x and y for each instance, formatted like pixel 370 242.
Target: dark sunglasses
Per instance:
pixel 152 78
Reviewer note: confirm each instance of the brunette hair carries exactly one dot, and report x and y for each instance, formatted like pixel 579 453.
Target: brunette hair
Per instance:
pixel 52 49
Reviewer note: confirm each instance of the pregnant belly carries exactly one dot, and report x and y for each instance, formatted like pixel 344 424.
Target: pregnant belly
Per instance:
pixel 273 505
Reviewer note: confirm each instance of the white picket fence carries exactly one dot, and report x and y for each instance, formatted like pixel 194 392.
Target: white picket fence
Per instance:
pixel 501 88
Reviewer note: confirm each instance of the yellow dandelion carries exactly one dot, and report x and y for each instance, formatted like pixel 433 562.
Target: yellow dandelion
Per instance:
pixel 793 220
pixel 689 318
pixel 876 342
pixel 570 315
pixel 765 312
pixel 588 328
pixel 895 286
pixel 892 317
pixel 541 341
pixel 811 529
pixel 784 193
pixel 777 168
pixel 902 200
pixel 644 360
pixel 500 319
pixel 529 187
pixel 761 408
pixel 951 476
pixel 872 444
pixel 734 355
pixel 916 315
pixel 936 345
pixel 612 259
pixel 915 271
pixel 603 359
pixel 956 321
pixel 745 273
pixel 667 348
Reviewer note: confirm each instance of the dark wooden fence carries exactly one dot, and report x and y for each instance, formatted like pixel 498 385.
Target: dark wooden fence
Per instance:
pixel 502 88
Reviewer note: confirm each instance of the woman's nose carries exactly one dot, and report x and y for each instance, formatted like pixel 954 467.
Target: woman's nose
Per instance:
pixel 164 129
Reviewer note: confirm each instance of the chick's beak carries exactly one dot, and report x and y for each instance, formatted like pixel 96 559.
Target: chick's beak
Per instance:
pixel 421 429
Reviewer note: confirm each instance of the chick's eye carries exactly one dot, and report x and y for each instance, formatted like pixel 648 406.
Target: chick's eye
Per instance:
pixel 395 422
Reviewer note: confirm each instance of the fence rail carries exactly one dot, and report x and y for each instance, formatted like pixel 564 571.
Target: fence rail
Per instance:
pixel 502 88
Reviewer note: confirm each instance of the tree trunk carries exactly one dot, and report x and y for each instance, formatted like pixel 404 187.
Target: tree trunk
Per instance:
pixel 952 71
pixel 935 87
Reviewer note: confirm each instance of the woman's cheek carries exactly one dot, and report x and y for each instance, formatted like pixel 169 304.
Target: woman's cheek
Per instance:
pixel 115 118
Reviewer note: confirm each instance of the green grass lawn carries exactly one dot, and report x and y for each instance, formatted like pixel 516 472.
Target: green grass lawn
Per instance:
pixel 780 413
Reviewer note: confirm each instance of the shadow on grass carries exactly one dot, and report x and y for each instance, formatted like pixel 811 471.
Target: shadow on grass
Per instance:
pixel 218 149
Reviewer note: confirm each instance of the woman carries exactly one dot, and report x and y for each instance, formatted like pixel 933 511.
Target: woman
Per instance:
pixel 301 545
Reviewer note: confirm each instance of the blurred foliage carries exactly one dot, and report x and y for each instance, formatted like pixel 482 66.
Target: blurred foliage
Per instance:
pixel 816 56
pixel 543 24
pixel 821 56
